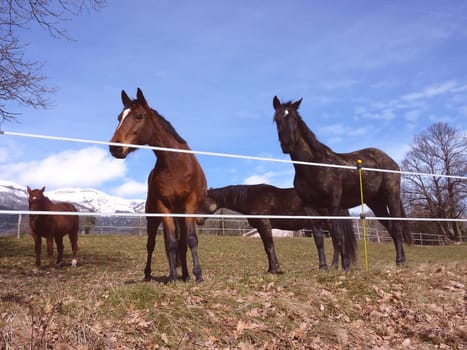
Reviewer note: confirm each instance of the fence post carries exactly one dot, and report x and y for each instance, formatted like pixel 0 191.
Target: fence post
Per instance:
pixel 18 233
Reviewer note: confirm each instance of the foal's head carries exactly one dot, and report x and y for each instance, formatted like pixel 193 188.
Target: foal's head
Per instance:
pixel 36 198
pixel 286 118
pixel 132 124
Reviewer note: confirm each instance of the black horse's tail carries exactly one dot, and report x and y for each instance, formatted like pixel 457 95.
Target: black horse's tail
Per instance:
pixel 350 241
pixel 406 234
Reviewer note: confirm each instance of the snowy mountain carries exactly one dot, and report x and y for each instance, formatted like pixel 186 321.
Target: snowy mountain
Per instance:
pixel 14 196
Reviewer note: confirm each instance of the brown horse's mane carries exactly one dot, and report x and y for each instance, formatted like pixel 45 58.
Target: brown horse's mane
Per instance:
pixel 168 127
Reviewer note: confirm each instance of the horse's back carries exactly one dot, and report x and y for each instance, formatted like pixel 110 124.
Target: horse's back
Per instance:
pixel 65 223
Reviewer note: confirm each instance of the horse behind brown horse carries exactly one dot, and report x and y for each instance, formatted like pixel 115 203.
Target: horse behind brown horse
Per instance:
pixel 52 227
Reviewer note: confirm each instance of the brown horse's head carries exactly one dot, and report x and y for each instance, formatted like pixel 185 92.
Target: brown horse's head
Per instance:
pixel 36 198
pixel 286 118
pixel 132 125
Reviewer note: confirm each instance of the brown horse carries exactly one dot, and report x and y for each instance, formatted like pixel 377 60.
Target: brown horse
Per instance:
pixel 263 199
pixel 52 227
pixel 176 184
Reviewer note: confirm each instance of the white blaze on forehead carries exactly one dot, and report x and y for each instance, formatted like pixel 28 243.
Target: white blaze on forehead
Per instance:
pixel 124 115
pixel 286 113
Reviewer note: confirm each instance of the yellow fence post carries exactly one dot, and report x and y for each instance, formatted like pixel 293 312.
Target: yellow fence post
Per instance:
pixel 362 215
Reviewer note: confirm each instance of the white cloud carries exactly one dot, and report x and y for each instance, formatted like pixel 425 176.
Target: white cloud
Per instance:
pixel 257 179
pixel 86 167
pixel 432 91
pixel 132 189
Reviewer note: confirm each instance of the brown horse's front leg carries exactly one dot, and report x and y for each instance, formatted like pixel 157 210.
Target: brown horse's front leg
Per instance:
pixel 50 251
pixel 192 239
pixel 171 246
pixel 182 248
pixel 153 225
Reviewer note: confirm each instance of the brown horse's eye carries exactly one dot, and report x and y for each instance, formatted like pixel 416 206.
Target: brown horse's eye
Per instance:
pixel 139 116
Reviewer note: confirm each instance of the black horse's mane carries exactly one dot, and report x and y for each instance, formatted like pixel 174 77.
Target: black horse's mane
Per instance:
pixel 234 194
pixel 310 136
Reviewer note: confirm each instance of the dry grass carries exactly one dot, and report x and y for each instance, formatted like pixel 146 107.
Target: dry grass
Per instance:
pixel 103 304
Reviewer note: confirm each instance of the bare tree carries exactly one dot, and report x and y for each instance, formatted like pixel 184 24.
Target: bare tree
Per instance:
pixel 21 79
pixel 439 150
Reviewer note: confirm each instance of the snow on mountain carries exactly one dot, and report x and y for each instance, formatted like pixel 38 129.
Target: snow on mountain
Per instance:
pixel 14 196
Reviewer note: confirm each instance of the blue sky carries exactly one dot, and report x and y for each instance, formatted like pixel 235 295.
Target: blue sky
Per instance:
pixel 370 74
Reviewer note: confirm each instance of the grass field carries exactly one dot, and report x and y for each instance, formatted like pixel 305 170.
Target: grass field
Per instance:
pixel 103 303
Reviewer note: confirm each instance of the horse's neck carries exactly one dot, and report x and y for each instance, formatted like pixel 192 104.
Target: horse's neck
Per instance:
pixel 308 148
pixel 161 137
pixel 226 199
pixel 46 204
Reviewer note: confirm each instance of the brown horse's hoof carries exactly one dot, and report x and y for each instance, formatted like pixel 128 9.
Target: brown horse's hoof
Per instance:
pixel 74 262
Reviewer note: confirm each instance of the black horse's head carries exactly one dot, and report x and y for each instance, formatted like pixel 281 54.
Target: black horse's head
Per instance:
pixel 287 119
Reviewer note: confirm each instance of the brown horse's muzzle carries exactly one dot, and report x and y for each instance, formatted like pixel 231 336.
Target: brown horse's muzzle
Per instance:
pixel 118 151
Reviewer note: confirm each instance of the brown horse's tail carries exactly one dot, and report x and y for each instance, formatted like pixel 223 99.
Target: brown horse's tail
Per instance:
pixel 406 232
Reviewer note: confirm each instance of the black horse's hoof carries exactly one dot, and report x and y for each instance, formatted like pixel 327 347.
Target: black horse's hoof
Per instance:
pixel 323 267
pixel 199 279
pixel 147 278
pixel 186 278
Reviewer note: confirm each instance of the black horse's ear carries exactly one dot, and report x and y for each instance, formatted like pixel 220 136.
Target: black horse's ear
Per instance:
pixel 296 104
pixel 276 103
pixel 125 99
pixel 140 97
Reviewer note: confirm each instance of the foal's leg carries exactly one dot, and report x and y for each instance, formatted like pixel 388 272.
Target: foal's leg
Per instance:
pixel 50 250
pixel 264 230
pixel 37 248
pixel 73 236
pixel 152 226
pixel 59 243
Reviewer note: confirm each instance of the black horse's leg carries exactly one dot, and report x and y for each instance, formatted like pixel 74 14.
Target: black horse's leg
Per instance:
pixel 264 230
pixel 193 244
pixel 59 243
pixel 394 227
pixel 335 256
pixel 153 225
pixel 318 238
pixel 319 242
pixel 182 248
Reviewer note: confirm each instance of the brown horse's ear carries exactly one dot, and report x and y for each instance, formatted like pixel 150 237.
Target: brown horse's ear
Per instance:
pixel 140 97
pixel 42 189
pixel 296 104
pixel 125 99
pixel 276 103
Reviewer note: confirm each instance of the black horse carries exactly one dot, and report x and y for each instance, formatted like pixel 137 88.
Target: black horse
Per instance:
pixel 269 200
pixel 334 188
